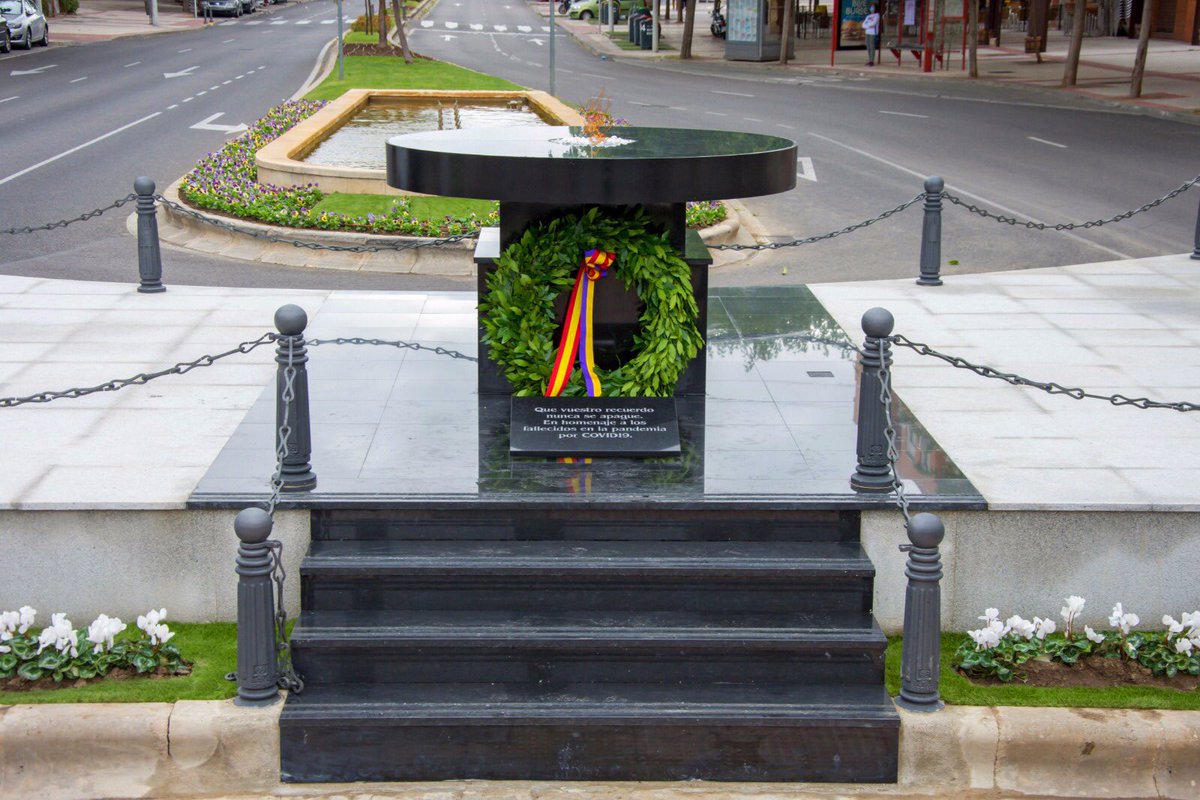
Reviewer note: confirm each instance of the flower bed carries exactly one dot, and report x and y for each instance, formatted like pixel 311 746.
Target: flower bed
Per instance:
pixel 226 182
pixel 59 651
pixel 1015 647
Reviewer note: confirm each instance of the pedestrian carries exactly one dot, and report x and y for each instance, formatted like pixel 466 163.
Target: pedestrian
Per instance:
pixel 870 26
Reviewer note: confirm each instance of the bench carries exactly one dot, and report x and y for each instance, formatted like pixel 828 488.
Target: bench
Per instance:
pixel 899 48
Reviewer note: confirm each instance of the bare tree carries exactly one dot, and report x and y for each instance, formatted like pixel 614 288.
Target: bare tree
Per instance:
pixel 1071 72
pixel 789 30
pixel 689 25
pixel 398 7
pixel 383 23
pixel 1139 61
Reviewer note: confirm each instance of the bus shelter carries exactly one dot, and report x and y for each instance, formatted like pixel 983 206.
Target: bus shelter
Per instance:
pixel 755 30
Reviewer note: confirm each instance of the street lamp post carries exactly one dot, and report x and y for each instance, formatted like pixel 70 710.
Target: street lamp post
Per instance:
pixel 552 2
pixel 341 65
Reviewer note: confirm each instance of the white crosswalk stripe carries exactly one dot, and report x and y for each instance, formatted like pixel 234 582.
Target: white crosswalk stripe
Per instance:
pixel 475 26
pixel 452 25
pixel 426 23
pixel 329 22
pixel 524 28
pixel 229 22
pixel 304 22
pixel 280 22
pixel 254 22
pixel 500 28
pixel 545 29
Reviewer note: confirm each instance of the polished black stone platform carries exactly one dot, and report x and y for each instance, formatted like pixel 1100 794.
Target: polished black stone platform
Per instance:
pixel 777 426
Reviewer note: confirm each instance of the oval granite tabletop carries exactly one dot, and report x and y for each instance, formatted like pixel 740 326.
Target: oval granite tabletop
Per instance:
pixel 558 165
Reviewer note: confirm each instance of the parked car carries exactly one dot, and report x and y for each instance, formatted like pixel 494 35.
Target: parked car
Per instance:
pixel 5 42
pixel 590 9
pixel 24 23
pixel 230 8
pixel 249 6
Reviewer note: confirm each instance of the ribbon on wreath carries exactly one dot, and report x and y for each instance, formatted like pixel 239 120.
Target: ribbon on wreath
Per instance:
pixel 577 331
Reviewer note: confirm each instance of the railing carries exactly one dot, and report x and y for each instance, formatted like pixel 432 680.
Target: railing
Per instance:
pixel 929 265
pixel 878 455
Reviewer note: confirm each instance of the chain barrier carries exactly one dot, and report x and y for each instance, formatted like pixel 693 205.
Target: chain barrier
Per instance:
pixel 1049 387
pixel 823 236
pixel 62 223
pixel 336 248
pixel 893 449
pixel 288 679
pixel 1070 226
pixel 139 379
pixel 441 351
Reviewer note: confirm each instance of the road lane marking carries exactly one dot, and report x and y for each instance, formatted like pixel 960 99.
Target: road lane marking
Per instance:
pixel 734 94
pixel 751 119
pixel 186 50
pixel 965 193
pixel 214 88
pixel 78 147
pixel 1046 141
pixel 34 71
pixel 187 99
pixel 806 169
pixel 77 80
pixel 227 41
pixel 198 94
pixel 173 105
pixel 226 83
pixel 14 97
pixel 134 64
pixel 902 114
pixel 182 73
pixel 715 114
pixel 208 124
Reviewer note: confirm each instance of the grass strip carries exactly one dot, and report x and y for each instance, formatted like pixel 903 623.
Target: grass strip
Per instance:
pixel 430 208
pixel 957 690
pixel 212 649
pixel 386 72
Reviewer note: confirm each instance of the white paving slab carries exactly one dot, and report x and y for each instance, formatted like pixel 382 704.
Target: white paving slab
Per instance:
pixel 1130 327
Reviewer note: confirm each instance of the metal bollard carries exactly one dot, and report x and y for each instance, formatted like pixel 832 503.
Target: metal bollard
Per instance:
pixel 874 470
pixel 149 256
pixel 920 663
pixel 931 234
pixel 1196 242
pixel 296 472
pixel 257 659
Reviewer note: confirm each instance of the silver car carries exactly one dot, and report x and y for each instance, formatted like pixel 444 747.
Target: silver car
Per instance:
pixel 25 23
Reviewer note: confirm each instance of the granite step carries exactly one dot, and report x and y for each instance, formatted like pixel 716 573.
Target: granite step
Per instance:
pixel 577 647
pixel 417 732
pixel 766 577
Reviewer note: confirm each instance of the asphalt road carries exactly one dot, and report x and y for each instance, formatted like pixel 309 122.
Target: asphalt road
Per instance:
pixel 78 123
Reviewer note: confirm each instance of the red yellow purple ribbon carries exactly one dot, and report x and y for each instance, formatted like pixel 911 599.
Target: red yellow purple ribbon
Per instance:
pixel 577 329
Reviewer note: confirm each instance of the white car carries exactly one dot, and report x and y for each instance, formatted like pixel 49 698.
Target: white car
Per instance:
pixel 26 25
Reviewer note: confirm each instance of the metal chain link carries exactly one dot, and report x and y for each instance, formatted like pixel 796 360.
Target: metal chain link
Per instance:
pixel 441 351
pixel 823 236
pixel 1049 387
pixel 139 379
pixel 1070 226
pixel 288 679
pixel 62 223
pixel 889 431
pixel 336 248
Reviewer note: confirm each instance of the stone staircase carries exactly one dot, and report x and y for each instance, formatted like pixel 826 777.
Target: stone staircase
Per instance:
pixel 588 641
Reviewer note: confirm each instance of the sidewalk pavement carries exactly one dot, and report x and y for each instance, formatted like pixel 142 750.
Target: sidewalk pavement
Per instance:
pixel 101 20
pixel 1171 84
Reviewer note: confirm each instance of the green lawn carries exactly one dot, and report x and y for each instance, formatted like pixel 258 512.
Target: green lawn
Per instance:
pixel 386 72
pixel 212 649
pixel 957 690
pixel 423 207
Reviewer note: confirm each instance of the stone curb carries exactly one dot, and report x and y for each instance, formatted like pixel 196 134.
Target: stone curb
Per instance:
pixel 446 260
pixel 188 748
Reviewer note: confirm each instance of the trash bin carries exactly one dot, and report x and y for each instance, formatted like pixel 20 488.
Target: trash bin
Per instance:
pixel 635 26
pixel 606 9
pixel 647 33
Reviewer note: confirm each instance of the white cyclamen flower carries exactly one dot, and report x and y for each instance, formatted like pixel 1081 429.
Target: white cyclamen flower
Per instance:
pixel 151 618
pixel 28 615
pixel 1184 646
pixel 101 632
pixel 1122 620
pixel 1042 627
pixel 1097 638
pixel 161 635
pixel 59 634
pixel 1072 609
pixel 985 638
pixel 8 625
pixel 990 615
pixel 1021 627
pixel 1173 627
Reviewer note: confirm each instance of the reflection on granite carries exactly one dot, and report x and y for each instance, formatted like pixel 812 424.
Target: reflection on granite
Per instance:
pixel 777 424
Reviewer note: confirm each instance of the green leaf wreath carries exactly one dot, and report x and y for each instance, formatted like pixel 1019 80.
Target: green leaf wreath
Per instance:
pixel 518 307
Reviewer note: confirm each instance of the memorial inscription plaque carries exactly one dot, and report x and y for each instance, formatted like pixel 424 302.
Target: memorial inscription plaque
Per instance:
pixel 594 426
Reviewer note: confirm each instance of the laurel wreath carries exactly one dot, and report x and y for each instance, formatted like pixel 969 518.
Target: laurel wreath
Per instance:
pixel 518 306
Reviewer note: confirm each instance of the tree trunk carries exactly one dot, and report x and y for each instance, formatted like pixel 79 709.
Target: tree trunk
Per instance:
pixel 383 23
pixel 689 25
pixel 1139 61
pixel 369 15
pixel 399 6
pixel 789 30
pixel 973 38
pixel 1070 74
